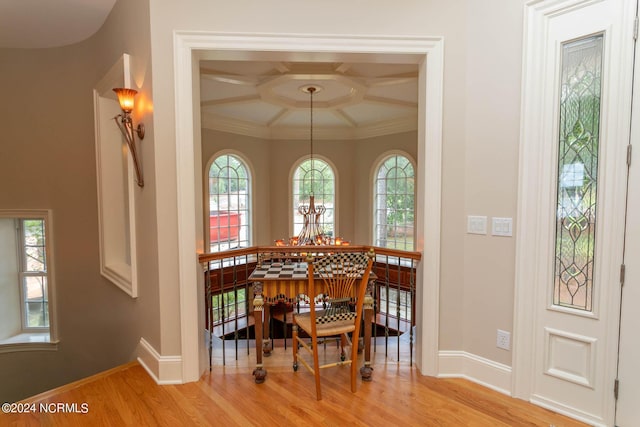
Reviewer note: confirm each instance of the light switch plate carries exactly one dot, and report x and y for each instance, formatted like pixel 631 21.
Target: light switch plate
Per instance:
pixel 477 224
pixel 502 227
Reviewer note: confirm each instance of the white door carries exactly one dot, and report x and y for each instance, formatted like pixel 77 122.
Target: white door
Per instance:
pixel 628 408
pixel 576 113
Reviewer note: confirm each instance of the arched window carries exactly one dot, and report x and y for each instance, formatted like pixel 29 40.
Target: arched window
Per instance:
pixel 394 204
pixel 323 177
pixel 229 203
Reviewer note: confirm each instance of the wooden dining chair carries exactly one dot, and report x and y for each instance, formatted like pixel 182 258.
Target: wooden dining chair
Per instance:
pixel 344 277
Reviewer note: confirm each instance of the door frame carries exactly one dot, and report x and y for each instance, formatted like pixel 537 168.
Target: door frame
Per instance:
pixel 631 246
pixel 532 222
pixel 426 52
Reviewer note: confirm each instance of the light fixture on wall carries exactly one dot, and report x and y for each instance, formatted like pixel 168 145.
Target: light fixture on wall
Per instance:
pixel 125 123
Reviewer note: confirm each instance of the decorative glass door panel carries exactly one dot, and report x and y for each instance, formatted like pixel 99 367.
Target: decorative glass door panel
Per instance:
pixel 579 129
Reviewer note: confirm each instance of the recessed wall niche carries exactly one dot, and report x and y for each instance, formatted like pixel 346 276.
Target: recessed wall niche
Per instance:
pixel 116 184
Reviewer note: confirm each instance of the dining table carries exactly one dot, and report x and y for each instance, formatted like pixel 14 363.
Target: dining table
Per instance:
pixel 287 282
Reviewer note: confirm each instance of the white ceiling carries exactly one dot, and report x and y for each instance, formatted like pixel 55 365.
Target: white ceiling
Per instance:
pixel 255 96
pixel 50 23
pixel 265 99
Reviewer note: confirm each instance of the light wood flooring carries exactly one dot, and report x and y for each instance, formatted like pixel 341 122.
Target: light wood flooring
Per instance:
pixel 228 396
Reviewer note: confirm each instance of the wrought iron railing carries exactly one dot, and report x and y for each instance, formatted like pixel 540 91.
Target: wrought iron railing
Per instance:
pixel 229 293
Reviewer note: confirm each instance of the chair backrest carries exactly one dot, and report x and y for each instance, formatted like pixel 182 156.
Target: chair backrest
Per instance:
pixel 340 272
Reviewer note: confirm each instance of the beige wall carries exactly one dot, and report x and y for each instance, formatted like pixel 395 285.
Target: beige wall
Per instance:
pixel 47 154
pixel 492 85
pixel 50 131
pixel 481 121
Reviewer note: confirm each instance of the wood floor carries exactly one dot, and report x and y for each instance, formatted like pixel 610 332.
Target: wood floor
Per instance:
pixel 398 395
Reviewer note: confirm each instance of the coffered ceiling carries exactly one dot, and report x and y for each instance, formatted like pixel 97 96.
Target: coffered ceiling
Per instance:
pixel 267 99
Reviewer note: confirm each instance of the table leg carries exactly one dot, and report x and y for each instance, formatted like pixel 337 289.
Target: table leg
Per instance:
pixel 367 371
pixel 266 334
pixel 258 305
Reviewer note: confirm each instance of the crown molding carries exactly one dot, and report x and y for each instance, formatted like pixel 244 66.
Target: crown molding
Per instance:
pixel 241 127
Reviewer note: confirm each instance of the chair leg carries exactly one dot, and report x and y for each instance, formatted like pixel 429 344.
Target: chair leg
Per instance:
pixel 294 344
pixel 344 342
pixel 354 364
pixel 316 367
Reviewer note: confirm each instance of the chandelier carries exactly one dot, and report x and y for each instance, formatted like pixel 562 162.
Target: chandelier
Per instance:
pixel 312 232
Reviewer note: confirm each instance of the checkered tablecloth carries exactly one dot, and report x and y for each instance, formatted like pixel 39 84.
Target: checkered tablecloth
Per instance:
pixel 283 271
pixel 278 270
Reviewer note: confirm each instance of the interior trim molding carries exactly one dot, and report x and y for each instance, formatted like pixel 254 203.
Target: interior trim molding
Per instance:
pixel 226 124
pixel 163 369
pixel 568 411
pixel 190 46
pixel 117 226
pixel 14 347
pixel 487 373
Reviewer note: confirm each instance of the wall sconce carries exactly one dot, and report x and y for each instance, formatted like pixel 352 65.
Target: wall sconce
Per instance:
pixel 125 97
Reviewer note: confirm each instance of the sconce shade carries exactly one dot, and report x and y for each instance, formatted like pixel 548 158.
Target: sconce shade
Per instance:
pixel 125 123
pixel 125 98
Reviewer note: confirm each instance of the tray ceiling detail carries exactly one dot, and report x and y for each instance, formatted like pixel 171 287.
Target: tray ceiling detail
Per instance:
pixel 266 100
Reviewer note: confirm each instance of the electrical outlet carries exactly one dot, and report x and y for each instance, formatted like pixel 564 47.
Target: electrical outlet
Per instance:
pixel 504 340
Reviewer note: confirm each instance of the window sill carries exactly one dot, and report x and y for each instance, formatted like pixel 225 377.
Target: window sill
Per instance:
pixel 28 342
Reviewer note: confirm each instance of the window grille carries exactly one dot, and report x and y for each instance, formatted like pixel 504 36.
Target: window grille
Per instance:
pixel 394 204
pixel 229 204
pixel 323 191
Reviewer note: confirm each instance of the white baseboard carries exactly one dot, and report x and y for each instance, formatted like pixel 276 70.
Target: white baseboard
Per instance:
pixel 163 369
pixel 567 410
pixel 496 376
pixel 490 374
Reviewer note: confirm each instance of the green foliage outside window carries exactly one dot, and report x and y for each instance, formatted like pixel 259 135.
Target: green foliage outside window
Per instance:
pixel 400 198
pixel 229 305
pixel 395 204
pixel 322 177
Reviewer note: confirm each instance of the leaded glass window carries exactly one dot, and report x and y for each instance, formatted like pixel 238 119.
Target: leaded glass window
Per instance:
pixel 394 204
pixel 320 173
pixel 579 129
pixel 229 203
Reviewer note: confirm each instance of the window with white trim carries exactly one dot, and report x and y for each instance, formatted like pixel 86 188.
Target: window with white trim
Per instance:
pixel 229 203
pixel 25 278
pixel 394 203
pixel 318 174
